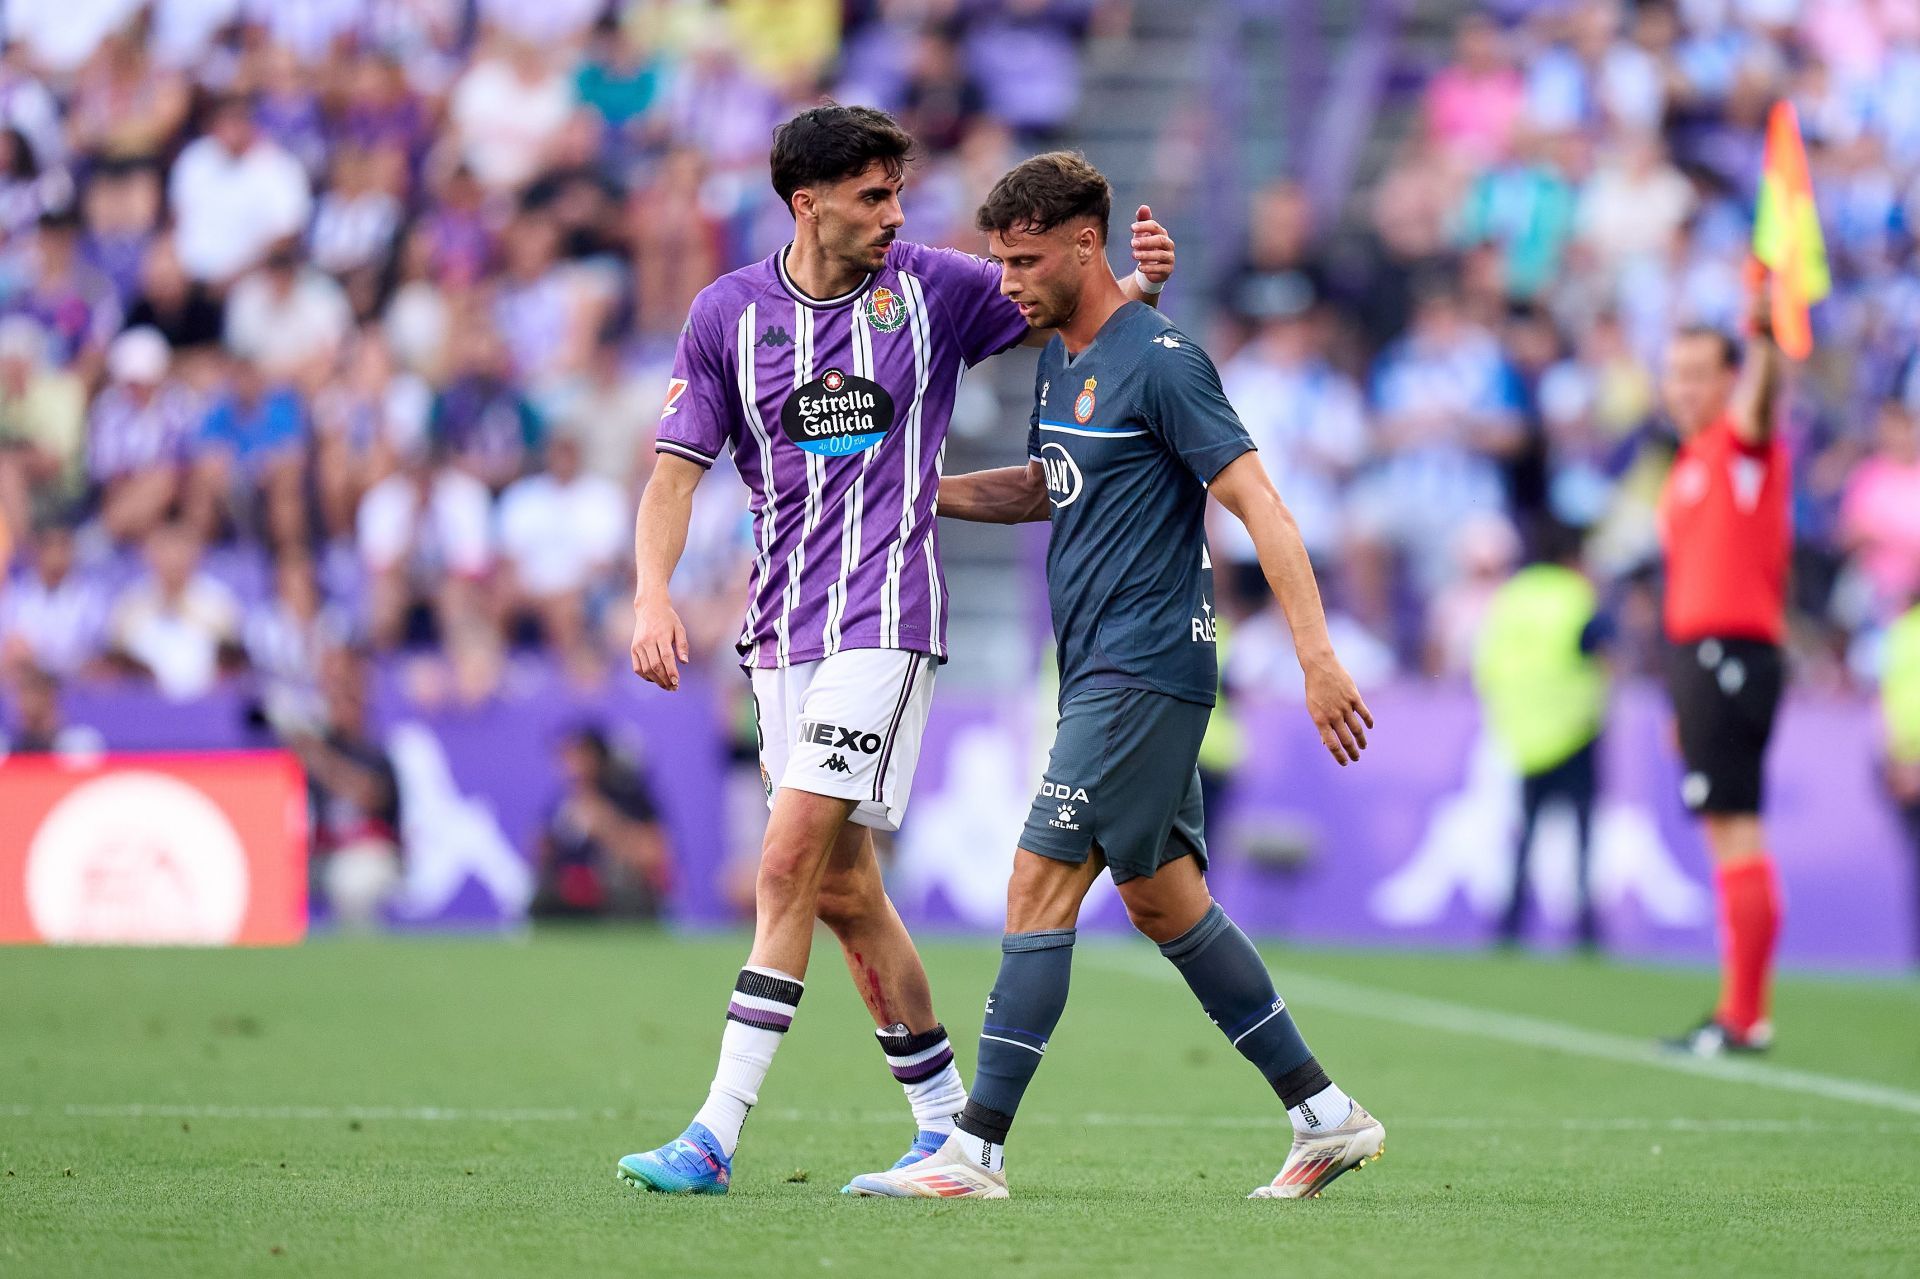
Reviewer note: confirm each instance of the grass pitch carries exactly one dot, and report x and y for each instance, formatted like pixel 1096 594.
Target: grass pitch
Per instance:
pixel 456 1107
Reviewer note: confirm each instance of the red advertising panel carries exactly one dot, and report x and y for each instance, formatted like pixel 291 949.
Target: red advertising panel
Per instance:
pixel 194 850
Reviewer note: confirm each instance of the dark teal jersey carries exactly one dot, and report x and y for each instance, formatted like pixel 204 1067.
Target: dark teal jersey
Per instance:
pixel 1129 433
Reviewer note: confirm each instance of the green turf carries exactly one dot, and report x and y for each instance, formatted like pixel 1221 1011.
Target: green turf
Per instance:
pixel 1134 1151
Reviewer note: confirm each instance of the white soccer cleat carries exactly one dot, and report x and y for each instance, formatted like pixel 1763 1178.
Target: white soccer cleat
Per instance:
pixel 1317 1158
pixel 946 1174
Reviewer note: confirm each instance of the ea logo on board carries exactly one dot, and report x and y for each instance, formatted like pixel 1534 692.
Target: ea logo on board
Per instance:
pixel 837 414
pixel 1064 480
pixel 137 858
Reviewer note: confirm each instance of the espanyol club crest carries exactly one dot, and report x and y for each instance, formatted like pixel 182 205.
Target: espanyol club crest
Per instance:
pixel 884 310
pixel 1083 403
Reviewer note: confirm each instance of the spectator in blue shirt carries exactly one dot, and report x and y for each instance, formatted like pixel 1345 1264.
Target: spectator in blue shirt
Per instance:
pixel 249 460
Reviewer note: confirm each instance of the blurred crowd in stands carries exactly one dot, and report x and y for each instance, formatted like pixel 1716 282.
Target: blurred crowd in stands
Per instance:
pixel 1476 357
pixel 333 322
pixel 343 324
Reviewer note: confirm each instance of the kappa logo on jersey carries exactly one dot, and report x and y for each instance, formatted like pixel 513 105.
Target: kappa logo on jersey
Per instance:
pixel 676 387
pixel 885 311
pixel 775 335
pixel 837 413
pixel 1169 341
pixel 1064 480
pixel 849 739
pixel 1083 403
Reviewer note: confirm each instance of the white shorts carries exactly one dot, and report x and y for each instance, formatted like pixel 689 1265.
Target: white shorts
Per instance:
pixel 848 726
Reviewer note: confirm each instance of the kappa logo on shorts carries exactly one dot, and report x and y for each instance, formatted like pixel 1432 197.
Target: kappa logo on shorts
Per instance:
pixel 836 764
pixel 820 733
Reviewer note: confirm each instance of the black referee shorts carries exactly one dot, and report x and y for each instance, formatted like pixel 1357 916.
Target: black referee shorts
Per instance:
pixel 1725 693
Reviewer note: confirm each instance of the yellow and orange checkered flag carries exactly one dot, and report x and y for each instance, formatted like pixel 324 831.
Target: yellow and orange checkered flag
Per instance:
pixel 1786 233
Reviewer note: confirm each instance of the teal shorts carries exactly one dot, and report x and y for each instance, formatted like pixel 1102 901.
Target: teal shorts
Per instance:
pixel 1124 775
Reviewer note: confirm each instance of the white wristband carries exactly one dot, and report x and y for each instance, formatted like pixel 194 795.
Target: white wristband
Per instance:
pixel 1146 286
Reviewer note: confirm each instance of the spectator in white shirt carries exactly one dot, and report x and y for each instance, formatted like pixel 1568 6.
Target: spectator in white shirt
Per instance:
pixel 1309 422
pixel 179 625
pixel 52 619
pixel 1632 206
pixel 561 533
pixel 507 110
pixel 426 538
pixel 60 35
pixel 234 194
pixel 288 319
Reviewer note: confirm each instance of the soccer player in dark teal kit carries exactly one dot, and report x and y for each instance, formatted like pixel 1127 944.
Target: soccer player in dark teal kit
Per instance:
pixel 1130 433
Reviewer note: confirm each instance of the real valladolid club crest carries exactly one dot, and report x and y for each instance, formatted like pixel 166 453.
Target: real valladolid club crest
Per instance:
pixel 1083 403
pixel 884 311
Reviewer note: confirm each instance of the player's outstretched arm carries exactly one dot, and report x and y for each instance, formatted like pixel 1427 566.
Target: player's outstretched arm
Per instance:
pixel 659 538
pixel 1009 495
pixel 1756 400
pixel 1332 698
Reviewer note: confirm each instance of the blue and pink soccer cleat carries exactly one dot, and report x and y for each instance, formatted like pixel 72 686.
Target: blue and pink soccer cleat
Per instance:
pixel 925 1145
pixel 691 1164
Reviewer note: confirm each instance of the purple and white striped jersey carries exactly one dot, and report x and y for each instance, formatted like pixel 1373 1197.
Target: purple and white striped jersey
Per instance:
pixel 836 413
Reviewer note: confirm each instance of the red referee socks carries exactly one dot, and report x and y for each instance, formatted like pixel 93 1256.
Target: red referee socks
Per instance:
pixel 1749 925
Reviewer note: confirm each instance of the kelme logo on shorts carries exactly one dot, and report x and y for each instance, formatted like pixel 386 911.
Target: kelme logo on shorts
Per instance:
pixel 885 311
pixel 837 414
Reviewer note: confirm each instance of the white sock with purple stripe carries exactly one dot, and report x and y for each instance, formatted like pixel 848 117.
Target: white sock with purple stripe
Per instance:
pixel 758 1016
pixel 923 1063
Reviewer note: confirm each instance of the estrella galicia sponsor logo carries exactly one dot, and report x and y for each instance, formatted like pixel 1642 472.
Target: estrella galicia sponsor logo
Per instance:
pixel 837 414
pixel 819 733
pixel 1064 480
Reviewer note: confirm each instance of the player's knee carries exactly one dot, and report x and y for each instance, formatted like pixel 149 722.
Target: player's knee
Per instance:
pixel 846 900
pixel 1154 920
pixel 787 870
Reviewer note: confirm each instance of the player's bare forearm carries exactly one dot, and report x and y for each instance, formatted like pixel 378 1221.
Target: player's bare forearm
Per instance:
pixel 660 528
pixel 1757 401
pixel 1333 701
pixel 1009 495
pixel 659 538
pixel 1131 287
pixel 1757 398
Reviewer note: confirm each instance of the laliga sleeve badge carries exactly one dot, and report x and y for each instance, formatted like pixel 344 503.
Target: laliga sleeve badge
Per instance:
pixel 1083 403
pixel 885 313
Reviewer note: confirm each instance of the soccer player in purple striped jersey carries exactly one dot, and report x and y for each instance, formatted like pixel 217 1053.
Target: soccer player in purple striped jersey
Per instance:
pixel 829 372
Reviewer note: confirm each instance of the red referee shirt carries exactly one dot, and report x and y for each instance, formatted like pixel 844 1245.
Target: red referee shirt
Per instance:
pixel 1725 527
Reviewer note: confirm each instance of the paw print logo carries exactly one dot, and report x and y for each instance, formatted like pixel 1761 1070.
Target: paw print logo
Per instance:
pixel 1066 812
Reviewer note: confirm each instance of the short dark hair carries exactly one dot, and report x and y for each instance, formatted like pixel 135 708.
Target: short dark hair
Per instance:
pixel 1047 191
pixel 831 143
pixel 1728 344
